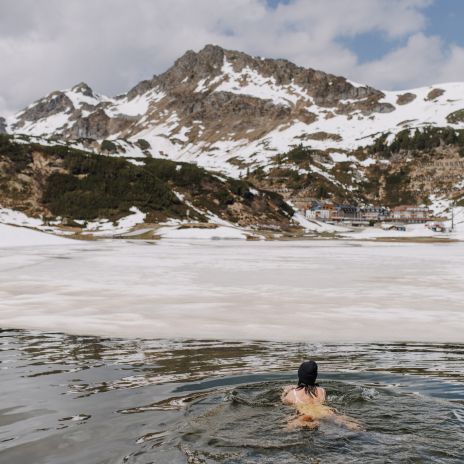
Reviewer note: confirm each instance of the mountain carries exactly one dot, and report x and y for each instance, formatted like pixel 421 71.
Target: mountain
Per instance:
pixel 228 111
pixel 285 131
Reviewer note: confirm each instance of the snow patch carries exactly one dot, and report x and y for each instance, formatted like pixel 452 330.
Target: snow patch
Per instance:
pixel 218 233
pixel 12 236
pixel 105 228
pixel 249 82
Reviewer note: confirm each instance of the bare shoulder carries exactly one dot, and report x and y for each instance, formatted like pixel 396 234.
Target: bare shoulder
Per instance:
pixel 286 390
pixel 321 393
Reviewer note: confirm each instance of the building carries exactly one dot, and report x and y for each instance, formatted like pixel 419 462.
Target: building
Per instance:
pixel 347 212
pixel 409 213
pixel 374 213
pixel 322 211
pixel 330 212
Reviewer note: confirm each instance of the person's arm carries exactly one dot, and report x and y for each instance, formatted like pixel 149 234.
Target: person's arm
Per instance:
pixel 347 422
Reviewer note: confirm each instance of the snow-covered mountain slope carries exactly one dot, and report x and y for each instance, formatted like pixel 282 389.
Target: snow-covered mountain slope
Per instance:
pixel 231 112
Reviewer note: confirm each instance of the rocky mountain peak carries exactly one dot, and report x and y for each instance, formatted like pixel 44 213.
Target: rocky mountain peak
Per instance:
pixel 212 61
pixel 186 71
pixel 211 55
pixel 54 103
pixel 192 66
pixel 83 89
pixel 226 108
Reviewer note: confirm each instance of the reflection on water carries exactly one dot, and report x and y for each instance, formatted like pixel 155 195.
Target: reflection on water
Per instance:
pixel 69 399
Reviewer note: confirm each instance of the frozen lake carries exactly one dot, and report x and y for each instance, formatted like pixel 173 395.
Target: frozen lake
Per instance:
pixel 314 291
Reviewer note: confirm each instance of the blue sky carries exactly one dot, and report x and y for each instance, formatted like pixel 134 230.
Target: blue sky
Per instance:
pixel 113 44
pixel 444 18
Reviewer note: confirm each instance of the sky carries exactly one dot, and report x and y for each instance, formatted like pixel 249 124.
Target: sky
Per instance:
pixel 113 44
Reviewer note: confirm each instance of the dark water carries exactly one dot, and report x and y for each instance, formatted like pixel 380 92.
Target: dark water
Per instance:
pixel 69 399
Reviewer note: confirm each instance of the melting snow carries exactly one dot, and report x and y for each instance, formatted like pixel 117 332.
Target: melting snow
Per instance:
pixel 78 98
pixel 250 82
pixel 105 228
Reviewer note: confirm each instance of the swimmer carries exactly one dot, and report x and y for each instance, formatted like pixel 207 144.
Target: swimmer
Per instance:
pixel 308 398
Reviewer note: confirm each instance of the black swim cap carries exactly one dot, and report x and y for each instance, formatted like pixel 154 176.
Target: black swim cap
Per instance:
pixel 307 373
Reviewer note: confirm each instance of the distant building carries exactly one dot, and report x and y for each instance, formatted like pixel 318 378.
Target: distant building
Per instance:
pixel 331 212
pixel 323 211
pixel 328 211
pixel 374 213
pixel 347 212
pixel 410 213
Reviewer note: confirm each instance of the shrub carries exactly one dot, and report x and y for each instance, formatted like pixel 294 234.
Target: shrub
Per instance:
pixel 16 152
pixel 143 144
pixel 108 188
pixel 419 140
pixel 455 117
pixel 299 154
pixel 109 146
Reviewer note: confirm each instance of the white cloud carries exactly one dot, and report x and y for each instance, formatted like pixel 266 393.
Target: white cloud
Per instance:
pixel 421 61
pixel 113 44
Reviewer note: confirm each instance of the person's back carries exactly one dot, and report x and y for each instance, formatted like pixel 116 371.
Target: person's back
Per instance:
pixel 308 398
pixel 300 395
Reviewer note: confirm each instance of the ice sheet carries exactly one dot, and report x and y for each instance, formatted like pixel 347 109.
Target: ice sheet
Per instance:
pixel 311 291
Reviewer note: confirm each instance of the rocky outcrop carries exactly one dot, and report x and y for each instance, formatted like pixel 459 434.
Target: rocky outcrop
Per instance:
pixel 85 115
pixel 405 98
pixel 55 103
pixel 98 125
pixel 434 94
pixel 83 89
pixel 326 89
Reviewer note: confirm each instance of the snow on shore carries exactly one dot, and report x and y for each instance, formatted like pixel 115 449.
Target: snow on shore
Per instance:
pixel 221 232
pixel 317 226
pixel 106 228
pixel 11 236
pixel 412 230
pixel 17 218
